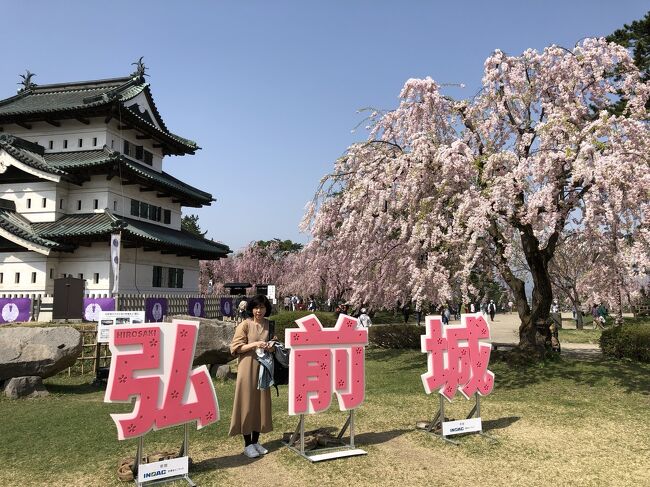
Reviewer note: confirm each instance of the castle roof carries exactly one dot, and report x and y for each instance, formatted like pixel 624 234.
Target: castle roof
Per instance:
pixel 84 99
pixel 79 165
pixel 68 232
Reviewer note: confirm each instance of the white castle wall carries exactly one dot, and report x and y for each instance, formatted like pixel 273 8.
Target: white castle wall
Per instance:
pixel 136 272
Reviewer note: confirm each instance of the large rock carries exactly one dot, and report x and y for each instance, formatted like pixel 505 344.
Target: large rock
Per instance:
pixel 31 386
pixel 213 343
pixel 37 351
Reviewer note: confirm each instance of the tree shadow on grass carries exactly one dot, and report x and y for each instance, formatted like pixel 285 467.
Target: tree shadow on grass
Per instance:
pixel 238 460
pixel 589 368
pixel 378 437
pixel 630 376
pixel 497 424
pixel 229 461
pixel 74 389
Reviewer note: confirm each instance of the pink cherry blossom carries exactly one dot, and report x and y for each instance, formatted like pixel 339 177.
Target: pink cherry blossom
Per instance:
pixel 445 188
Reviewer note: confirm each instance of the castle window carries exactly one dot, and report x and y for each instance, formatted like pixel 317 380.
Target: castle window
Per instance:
pixel 81 142
pixel 138 152
pixel 44 202
pixel 157 276
pixel 51 272
pixel 178 278
pixel 51 144
pixel 33 277
pixel 61 204
pixel 17 278
pixel 65 144
pixel 144 210
pixel 2 277
pixel 168 217
pixel 148 158
pixel 95 204
pixel 78 204
pixel 135 208
pixel 112 144
pixel 96 277
pixel 114 205
pixel 29 202
pixel 94 141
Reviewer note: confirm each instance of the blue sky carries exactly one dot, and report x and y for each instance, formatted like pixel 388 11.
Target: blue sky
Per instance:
pixel 270 89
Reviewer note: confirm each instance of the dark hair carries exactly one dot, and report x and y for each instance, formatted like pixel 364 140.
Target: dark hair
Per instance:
pixel 259 300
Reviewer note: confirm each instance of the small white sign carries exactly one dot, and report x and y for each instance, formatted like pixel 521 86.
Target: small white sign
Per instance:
pixel 148 472
pixel 270 292
pixel 112 318
pixel 471 425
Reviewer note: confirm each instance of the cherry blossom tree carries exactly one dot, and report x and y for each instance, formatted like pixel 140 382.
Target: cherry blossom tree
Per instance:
pixel 442 186
pixel 260 262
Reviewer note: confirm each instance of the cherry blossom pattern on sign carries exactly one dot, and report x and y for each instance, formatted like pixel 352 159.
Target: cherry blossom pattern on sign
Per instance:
pixel 153 364
pixel 326 360
pixel 456 357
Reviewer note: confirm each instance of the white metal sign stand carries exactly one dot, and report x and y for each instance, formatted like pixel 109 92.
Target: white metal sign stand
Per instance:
pixel 184 452
pixel 472 424
pixel 320 454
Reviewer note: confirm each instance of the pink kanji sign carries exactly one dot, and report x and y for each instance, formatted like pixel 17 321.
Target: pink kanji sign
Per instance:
pixel 457 358
pixel 152 364
pixel 326 360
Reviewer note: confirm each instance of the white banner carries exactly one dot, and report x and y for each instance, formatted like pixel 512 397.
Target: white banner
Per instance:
pixel 115 260
pixel 461 426
pixel 163 469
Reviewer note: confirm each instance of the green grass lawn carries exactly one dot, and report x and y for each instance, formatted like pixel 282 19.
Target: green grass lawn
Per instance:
pixel 586 335
pixel 571 422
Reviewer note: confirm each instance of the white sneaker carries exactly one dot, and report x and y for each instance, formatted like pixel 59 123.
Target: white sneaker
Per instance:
pixel 251 452
pixel 260 449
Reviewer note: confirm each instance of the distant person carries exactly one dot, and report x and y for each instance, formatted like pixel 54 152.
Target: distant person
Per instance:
pixel 602 314
pixel 287 303
pixel 594 313
pixel 364 319
pixel 445 315
pixel 406 312
pixel 492 309
pixel 472 308
pixel 241 309
pixel 555 307
pixel 418 312
pixel 510 305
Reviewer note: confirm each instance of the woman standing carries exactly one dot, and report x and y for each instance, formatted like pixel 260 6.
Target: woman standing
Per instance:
pixel 251 412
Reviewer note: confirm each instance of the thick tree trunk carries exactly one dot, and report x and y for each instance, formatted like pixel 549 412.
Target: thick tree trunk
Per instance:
pixel 577 306
pixel 534 322
pixel 531 343
pixel 619 305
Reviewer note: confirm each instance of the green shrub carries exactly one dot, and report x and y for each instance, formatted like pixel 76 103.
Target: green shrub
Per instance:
pixel 396 336
pixel 627 341
pixel 287 319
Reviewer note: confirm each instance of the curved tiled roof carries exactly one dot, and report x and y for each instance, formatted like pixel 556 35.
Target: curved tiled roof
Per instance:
pixel 73 227
pixel 21 227
pixel 70 97
pixel 75 163
pixel 80 98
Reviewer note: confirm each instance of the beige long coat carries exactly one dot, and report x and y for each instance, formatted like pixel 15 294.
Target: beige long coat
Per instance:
pixel 251 410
